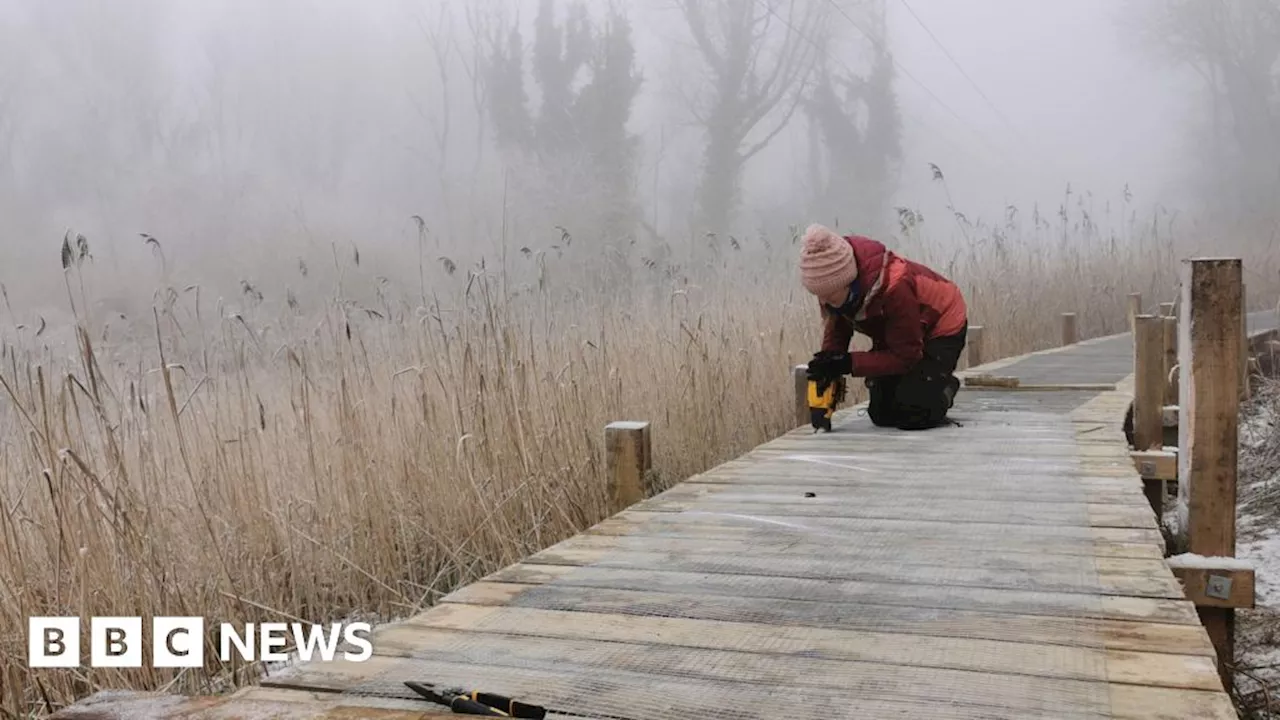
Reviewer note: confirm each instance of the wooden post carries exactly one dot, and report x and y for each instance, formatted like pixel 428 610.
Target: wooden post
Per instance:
pixel 1167 309
pixel 1244 349
pixel 1148 398
pixel 975 345
pixel 1068 328
pixel 1135 308
pixel 1209 348
pixel 1169 332
pixel 800 376
pixel 627 461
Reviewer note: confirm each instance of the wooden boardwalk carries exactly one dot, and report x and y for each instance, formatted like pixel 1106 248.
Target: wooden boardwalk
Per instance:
pixel 1007 568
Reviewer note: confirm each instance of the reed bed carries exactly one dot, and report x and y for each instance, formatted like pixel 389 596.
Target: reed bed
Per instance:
pixel 365 445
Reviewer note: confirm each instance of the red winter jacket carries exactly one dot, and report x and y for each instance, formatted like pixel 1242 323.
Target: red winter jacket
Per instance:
pixel 904 304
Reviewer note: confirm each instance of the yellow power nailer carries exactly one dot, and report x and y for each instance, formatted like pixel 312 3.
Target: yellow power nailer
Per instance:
pixel 824 397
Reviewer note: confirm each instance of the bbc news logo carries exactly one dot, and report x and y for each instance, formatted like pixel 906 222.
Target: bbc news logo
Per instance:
pixel 178 642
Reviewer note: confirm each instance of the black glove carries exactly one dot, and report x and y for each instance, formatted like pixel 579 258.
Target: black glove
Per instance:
pixel 829 365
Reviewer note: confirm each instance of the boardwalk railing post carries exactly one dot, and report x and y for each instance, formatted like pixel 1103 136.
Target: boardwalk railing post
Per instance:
pixel 975 345
pixel 1209 349
pixel 800 377
pixel 1169 332
pixel 627 461
pixel 1148 398
pixel 1069 328
pixel 1244 348
pixel 1135 308
pixel 1167 309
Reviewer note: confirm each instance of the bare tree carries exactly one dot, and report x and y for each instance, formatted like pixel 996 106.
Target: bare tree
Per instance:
pixel 480 25
pixel 576 142
pixel 856 133
pixel 1234 46
pixel 760 54
pixel 440 38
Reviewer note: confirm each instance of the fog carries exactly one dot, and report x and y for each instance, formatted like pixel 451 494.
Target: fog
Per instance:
pixel 243 133
pixel 316 309
pixel 1072 100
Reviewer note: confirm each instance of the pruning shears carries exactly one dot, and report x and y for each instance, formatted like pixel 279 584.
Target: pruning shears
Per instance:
pixel 475 702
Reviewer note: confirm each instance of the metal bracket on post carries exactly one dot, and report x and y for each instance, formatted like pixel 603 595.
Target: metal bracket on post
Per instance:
pixel 1218 586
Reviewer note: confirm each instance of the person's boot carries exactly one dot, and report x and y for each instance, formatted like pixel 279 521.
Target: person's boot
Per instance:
pixel 949 392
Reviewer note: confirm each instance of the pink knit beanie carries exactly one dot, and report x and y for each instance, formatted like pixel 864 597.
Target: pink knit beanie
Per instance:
pixel 827 267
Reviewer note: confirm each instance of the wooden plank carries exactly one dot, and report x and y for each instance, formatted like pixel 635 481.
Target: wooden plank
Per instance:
pixel 1097 515
pixel 885 492
pixel 1113 634
pixel 1156 464
pixel 990 381
pixel 1048 449
pixel 253 702
pixel 926 472
pixel 1011 600
pixel 876 552
pixel 1061 492
pixel 1126 702
pixel 1044 488
pixel 958 481
pixel 920 528
pixel 653 695
pixel 1132 702
pixel 1013 385
pixel 1239 582
pixel 1105 582
pixel 1196 672
pixel 1087 474
pixel 707 655
pixel 903 545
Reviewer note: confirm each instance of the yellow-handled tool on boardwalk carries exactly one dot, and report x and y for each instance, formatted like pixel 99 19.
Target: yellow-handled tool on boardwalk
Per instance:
pixel 824 397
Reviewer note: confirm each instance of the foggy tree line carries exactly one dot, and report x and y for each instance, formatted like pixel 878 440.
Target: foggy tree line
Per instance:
pixel 573 151
pixel 1232 49
pixel 252 122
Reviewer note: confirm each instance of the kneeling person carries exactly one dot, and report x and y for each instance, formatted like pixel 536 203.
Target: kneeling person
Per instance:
pixel 916 319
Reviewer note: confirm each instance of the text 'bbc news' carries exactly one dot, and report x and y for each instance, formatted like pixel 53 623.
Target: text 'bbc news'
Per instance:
pixel 178 642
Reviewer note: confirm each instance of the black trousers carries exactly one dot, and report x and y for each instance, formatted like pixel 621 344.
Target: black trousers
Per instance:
pixel 920 398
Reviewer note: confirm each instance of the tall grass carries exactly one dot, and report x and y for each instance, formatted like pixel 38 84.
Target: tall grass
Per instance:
pixel 363 450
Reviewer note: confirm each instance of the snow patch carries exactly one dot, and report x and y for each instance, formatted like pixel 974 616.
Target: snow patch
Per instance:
pixel 1264 553
pixel 1192 560
pixel 1258 527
